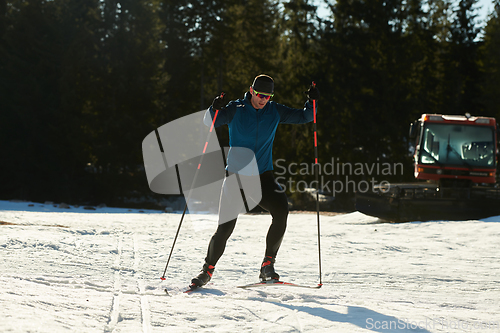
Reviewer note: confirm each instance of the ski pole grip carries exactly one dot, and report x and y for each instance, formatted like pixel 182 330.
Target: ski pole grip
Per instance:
pixel 313 85
pixel 222 94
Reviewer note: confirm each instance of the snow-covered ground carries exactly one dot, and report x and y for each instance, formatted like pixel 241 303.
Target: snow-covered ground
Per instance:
pixel 74 270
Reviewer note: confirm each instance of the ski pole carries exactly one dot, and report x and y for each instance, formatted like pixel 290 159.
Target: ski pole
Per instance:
pixel 189 196
pixel 316 165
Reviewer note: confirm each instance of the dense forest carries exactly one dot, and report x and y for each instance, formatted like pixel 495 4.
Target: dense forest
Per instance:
pixel 82 82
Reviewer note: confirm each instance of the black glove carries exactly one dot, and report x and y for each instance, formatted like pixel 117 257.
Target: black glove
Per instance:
pixel 312 93
pixel 218 102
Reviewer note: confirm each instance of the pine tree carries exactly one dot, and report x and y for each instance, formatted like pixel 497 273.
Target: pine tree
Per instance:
pixel 31 50
pixel 490 55
pixel 246 45
pixel 299 66
pixel 461 72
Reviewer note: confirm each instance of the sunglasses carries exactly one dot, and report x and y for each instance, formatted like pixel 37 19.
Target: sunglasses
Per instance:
pixel 263 95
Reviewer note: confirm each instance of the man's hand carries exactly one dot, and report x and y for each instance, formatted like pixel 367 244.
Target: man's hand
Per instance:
pixel 313 93
pixel 218 102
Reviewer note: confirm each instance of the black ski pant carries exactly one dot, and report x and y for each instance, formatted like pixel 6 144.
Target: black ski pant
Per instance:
pixel 275 202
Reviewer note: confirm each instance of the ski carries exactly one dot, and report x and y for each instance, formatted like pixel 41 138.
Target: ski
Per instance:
pixel 192 287
pixel 273 283
pixel 276 283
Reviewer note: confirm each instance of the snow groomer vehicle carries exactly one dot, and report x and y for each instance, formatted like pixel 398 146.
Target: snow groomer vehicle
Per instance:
pixel 455 163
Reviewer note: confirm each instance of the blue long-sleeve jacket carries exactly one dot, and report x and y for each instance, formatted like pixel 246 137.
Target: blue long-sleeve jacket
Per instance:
pixel 255 129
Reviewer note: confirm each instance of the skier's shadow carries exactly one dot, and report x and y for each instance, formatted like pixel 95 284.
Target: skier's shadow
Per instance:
pixel 365 318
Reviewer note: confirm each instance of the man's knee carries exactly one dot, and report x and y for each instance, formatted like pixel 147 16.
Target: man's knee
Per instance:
pixel 225 230
pixel 283 209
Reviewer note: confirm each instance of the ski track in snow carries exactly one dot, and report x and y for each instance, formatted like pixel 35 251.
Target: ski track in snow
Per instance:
pixel 99 271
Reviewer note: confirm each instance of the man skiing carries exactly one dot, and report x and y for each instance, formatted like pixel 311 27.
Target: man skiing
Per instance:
pixel 252 123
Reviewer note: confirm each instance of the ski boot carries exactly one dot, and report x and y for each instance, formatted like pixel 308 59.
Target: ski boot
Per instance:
pixel 267 272
pixel 204 276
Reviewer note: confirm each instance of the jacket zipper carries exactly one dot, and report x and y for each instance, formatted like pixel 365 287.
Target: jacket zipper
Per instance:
pixel 256 132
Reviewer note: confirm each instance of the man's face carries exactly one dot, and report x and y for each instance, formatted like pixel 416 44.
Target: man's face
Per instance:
pixel 259 100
